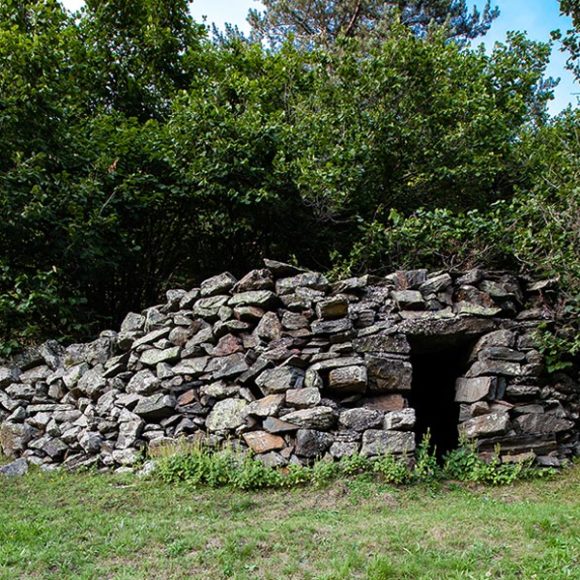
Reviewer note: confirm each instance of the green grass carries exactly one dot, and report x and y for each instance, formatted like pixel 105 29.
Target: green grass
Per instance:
pixel 104 526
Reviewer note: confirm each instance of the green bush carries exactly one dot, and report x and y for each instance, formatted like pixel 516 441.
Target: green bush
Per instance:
pixel 199 465
pixel 464 464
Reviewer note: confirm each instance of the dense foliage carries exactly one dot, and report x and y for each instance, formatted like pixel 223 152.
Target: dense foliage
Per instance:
pixel 322 22
pixel 226 467
pixel 138 154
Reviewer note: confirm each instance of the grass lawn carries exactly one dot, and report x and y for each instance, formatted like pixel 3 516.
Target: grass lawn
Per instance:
pixel 104 526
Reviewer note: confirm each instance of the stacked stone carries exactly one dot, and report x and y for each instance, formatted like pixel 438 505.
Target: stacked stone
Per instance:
pixel 292 367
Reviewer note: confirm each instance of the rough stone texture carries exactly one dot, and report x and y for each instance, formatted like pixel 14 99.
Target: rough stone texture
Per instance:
pixel 227 414
pixel 360 419
pixel 293 367
pixel 348 379
pixel 156 406
pixel 262 442
pixel 303 398
pixel 377 442
pixel 388 374
pixel 322 418
pixel 471 390
pixel 266 406
pixel 220 284
pixel 400 420
pixel 279 380
pixel 17 468
pixel 492 424
pixel 311 443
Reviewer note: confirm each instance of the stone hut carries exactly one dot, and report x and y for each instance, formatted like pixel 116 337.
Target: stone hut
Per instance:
pixel 294 367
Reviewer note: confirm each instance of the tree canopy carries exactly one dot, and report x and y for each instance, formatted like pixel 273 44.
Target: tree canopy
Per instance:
pixel 323 22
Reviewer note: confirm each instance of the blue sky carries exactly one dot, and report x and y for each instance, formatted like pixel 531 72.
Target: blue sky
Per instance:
pixel 536 17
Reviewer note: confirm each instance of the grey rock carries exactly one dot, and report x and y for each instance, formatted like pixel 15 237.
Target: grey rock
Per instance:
pixel 152 337
pixel 377 442
pixel 411 299
pixel 328 327
pixel 55 449
pixel 153 356
pixel 227 366
pixel 262 298
pixel 273 425
pixel 272 459
pixel 92 384
pixel 269 328
pixel 220 284
pixel 383 343
pixel 321 418
pixel 387 374
pixel 266 407
pixel 501 353
pixel 543 423
pixel 191 366
pixel 471 390
pixel 209 308
pixel 20 391
pixel 227 415
pixel 279 380
pixel 255 280
pixel 91 442
pixel 17 416
pixel 360 419
pixel 126 457
pixel 493 367
pixel 143 383
pixel 8 375
pixel 311 443
pixel 173 298
pixel 436 284
pixel 280 269
pixel 39 421
pixel 36 374
pixel 485 425
pixel 188 299
pixel 335 363
pixel 218 390
pixel 294 320
pixel 303 398
pixel 156 407
pixel 311 280
pixel 522 391
pixel 400 420
pixel 7 403
pixel 133 323
pixel 348 379
pixel 17 468
pixel 470 309
pixel 340 449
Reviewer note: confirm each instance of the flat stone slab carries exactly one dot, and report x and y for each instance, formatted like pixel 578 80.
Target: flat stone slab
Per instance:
pixel 378 442
pixel 472 390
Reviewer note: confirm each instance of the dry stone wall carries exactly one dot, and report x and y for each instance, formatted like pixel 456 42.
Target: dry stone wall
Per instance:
pixel 293 367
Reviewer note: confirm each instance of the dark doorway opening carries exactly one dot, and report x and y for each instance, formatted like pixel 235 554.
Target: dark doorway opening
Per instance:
pixel 436 367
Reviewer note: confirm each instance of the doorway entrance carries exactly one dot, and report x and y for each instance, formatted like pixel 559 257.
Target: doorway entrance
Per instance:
pixel 436 367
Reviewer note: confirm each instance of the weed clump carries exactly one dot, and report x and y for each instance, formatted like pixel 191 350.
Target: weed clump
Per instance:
pixel 227 466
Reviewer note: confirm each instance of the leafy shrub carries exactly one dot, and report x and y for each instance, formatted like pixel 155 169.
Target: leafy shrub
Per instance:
pixel 426 468
pixel 393 469
pixel 198 465
pixel 464 464
pixel 355 464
